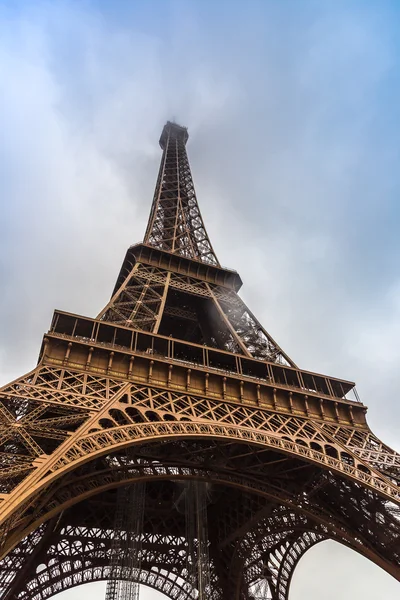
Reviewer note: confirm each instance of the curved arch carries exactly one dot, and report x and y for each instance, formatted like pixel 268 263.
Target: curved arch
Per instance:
pixel 172 589
pixel 76 486
pixel 99 443
pixel 279 525
pixel 275 581
pixel 267 555
pixel 290 560
pixel 69 550
pixel 73 492
pixel 62 555
pixel 263 431
pixel 197 417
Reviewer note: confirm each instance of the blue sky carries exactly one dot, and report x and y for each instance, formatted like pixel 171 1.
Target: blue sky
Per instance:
pixel 293 115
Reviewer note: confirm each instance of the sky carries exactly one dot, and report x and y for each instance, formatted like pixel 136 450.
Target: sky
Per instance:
pixel 293 116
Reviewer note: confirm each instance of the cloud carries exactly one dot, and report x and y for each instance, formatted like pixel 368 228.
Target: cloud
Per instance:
pixel 293 123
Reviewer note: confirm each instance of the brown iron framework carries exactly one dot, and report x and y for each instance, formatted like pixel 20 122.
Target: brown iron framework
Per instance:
pixel 176 381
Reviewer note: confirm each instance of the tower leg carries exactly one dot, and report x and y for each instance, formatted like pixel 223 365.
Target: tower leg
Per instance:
pixel 126 546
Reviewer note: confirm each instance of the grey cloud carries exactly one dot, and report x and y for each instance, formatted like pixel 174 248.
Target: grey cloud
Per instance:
pixel 293 162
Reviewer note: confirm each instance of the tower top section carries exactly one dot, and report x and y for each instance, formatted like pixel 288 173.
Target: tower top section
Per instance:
pixel 175 224
pixel 173 131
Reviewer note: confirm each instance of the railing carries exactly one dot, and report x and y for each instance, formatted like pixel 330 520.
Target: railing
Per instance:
pixel 115 337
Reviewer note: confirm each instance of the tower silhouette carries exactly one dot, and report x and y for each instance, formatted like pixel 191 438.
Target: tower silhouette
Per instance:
pixel 171 442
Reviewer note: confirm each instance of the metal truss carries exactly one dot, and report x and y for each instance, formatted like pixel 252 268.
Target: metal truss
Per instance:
pixel 175 222
pixel 257 536
pixel 141 300
pixel 177 386
pixel 245 444
pixel 198 561
pixel 126 548
pixel 153 299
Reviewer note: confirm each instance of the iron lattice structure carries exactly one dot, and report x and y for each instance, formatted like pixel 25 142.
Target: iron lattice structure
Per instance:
pixel 176 381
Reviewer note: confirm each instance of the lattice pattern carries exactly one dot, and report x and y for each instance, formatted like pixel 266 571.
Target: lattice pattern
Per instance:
pixel 126 548
pixel 141 303
pixel 140 300
pixel 175 222
pixel 148 412
pixel 253 536
pixel 278 482
pixel 368 448
pixel 34 421
pixel 258 343
pixel 198 561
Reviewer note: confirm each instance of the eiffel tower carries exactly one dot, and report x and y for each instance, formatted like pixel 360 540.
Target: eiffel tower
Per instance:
pixel 176 401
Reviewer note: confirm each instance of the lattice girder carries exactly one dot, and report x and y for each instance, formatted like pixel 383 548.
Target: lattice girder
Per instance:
pixel 254 537
pixel 175 222
pixel 148 412
pixel 61 496
pixel 78 549
pixel 145 298
pixel 140 300
pixel 175 381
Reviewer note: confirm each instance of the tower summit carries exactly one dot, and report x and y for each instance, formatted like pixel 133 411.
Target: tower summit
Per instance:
pixel 171 442
pixel 175 223
pixel 190 297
